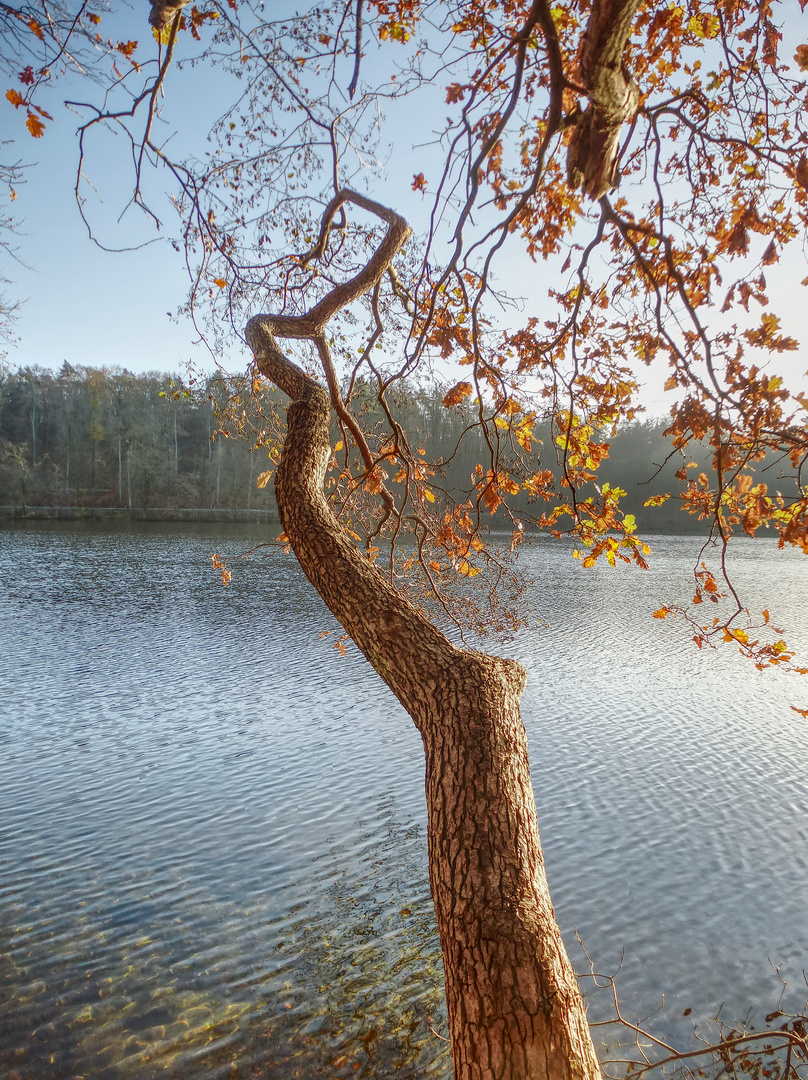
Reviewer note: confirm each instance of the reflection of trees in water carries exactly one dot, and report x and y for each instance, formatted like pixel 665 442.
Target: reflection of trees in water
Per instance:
pixel 346 983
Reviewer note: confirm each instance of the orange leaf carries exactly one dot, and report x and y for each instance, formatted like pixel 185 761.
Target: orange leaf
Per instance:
pixel 457 393
pixel 220 281
pixel 419 182
pixel 35 126
pixel 15 97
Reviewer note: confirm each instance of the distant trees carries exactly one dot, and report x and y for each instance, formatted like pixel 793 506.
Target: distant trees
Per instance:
pixel 104 437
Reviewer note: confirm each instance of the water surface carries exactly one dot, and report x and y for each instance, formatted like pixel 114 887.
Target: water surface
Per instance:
pixel 212 844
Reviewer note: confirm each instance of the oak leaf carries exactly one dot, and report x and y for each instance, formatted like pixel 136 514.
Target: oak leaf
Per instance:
pixel 35 126
pixel 457 393
pixel 801 172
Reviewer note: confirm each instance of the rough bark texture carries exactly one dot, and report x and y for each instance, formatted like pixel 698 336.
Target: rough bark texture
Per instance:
pixel 515 1012
pixel 592 153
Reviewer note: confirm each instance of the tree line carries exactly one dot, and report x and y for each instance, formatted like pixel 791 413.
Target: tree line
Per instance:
pixel 97 438
pixel 105 437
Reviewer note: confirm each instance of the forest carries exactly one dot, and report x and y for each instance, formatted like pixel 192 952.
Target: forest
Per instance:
pixel 106 438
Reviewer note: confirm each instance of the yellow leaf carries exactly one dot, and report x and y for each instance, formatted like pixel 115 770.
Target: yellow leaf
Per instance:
pixel 662 613
pixel 428 495
pixel 338 446
pixel 263 479
pixel 220 281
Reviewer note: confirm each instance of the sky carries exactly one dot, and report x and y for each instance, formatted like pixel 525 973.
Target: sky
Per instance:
pixel 92 307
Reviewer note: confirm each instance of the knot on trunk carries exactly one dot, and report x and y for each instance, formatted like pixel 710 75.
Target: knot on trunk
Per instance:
pixel 593 148
pixel 163 12
pixel 613 97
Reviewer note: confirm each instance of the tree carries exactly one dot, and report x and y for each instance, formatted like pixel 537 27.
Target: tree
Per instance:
pixel 696 115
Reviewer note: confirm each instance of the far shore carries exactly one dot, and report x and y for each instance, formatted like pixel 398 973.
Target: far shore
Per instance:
pixel 127 513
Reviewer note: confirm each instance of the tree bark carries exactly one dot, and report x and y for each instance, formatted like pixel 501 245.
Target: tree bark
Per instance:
pixel 515 1011
pixel 613 98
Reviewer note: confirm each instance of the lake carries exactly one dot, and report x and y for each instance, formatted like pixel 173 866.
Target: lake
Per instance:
pixel 212 825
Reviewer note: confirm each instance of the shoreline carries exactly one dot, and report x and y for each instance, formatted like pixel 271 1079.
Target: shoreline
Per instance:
pixel 125 513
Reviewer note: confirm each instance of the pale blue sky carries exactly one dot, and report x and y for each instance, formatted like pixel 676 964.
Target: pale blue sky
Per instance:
pixel 88 306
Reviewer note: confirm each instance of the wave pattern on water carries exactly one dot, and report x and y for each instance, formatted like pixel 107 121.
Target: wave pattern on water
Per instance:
pixel 212 845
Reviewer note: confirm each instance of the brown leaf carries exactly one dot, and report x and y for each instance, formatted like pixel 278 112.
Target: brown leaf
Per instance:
pixel 457 393
pixel 801 173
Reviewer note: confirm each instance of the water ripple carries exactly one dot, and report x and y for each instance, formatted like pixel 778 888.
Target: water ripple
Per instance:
pixel 212 850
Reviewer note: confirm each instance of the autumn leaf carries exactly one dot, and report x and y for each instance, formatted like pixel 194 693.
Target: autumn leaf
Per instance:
pixel 15 97
pixel 419 182
pixel 35 126
pixel 770 254
pixel 656 500
pixel 801 172
pixel 264 479
pixel 662 613
pixel 27 76
pixel 35 28
pixel 766 336
pixel 457 393
pixel 220 281
pixel 801 57
pixel 454 92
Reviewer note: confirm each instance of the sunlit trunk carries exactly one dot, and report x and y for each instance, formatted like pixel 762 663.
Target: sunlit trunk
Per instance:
pixel 515 1011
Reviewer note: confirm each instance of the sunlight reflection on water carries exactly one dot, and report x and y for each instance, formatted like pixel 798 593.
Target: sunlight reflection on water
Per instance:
pixel 212 826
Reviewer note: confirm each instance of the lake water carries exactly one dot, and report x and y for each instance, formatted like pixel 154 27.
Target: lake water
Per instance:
pixel 212 841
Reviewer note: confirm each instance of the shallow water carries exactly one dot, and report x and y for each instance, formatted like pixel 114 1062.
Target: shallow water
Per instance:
pixel 212 845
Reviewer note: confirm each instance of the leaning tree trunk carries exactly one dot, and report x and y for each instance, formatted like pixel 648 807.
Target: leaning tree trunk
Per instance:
pixel 515 1011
